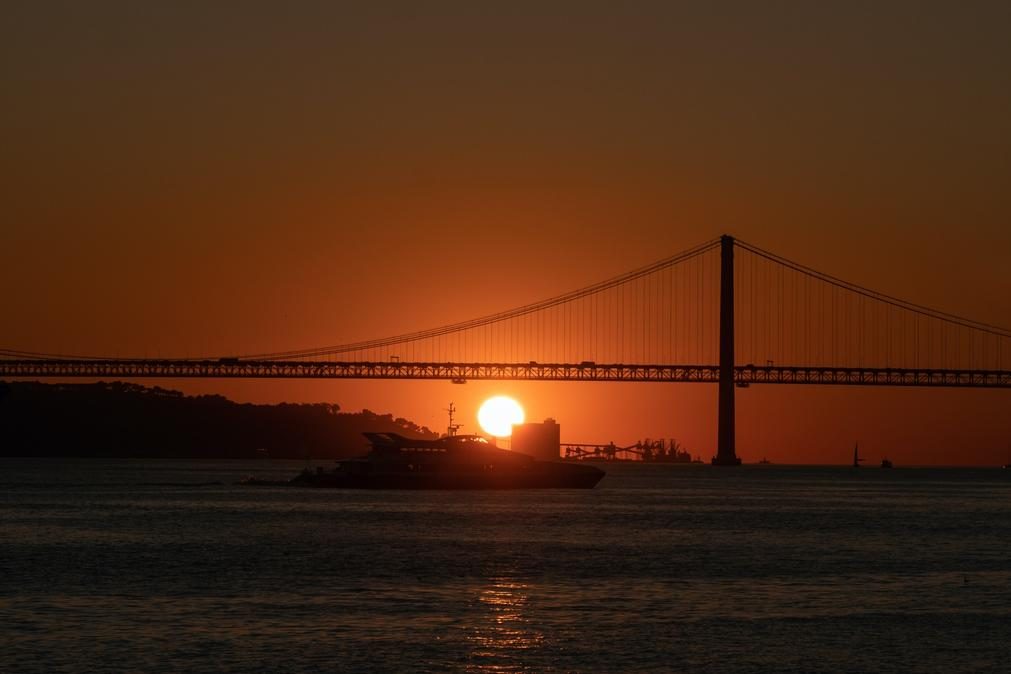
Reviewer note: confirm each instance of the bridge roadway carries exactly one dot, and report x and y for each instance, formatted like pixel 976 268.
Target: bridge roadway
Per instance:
pixel 744 375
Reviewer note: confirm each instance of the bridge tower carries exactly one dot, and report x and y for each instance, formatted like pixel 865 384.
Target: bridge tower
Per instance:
pixel 726 453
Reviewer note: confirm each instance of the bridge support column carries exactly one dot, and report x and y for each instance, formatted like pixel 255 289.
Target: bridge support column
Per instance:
pixel 726 452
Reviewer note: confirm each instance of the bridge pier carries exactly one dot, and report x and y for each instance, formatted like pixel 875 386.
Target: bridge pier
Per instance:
pixel 726 452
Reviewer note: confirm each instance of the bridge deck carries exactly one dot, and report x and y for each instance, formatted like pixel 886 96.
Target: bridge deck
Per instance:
pixel 744 375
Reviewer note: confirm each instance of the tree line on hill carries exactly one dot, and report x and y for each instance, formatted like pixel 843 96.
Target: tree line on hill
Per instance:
pixel 128 420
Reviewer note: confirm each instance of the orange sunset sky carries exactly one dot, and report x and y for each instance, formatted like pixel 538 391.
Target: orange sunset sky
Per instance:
pixel 195 178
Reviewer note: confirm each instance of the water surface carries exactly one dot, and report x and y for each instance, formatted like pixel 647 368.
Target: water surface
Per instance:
pixel 143 566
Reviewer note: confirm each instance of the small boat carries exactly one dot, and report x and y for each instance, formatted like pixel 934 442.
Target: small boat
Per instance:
pixel 451 462
pixel 765 461
pixel 856 455
pixel 885 463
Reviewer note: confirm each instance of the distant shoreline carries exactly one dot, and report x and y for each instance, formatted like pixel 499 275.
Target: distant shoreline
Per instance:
pixel 646 465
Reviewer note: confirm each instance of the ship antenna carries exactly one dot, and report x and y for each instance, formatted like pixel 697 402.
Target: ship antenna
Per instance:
pixel 452 428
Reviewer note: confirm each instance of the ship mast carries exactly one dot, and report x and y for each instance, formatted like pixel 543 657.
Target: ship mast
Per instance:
pixel 452 428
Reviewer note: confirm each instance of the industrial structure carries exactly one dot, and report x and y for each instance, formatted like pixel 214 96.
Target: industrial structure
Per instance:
pixel 540 440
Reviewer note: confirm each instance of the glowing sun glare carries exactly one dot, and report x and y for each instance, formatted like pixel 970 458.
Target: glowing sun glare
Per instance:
pixel 498 415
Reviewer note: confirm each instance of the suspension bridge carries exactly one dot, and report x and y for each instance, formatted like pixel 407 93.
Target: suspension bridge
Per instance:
pixel 726 312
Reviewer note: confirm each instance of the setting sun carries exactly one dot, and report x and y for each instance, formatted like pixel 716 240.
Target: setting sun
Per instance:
pixel 498 415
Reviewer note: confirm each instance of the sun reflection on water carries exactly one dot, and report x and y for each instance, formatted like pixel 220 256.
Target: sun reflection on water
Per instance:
pixel 502 633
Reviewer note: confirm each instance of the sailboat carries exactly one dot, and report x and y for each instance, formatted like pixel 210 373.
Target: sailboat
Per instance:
pixel 856 455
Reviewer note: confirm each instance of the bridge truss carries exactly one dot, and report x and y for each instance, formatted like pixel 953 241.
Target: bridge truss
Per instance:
pixel 744 375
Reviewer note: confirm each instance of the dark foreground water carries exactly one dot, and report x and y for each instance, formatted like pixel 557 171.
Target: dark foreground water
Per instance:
pixel 129 566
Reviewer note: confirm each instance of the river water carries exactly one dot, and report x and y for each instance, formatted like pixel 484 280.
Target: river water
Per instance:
pixel 109 566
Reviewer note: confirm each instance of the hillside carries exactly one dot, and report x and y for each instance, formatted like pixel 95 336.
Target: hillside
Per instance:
pixel 128 420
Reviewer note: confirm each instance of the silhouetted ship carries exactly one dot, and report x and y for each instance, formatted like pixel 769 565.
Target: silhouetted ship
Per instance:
pixel 452 462
pixel 886 463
